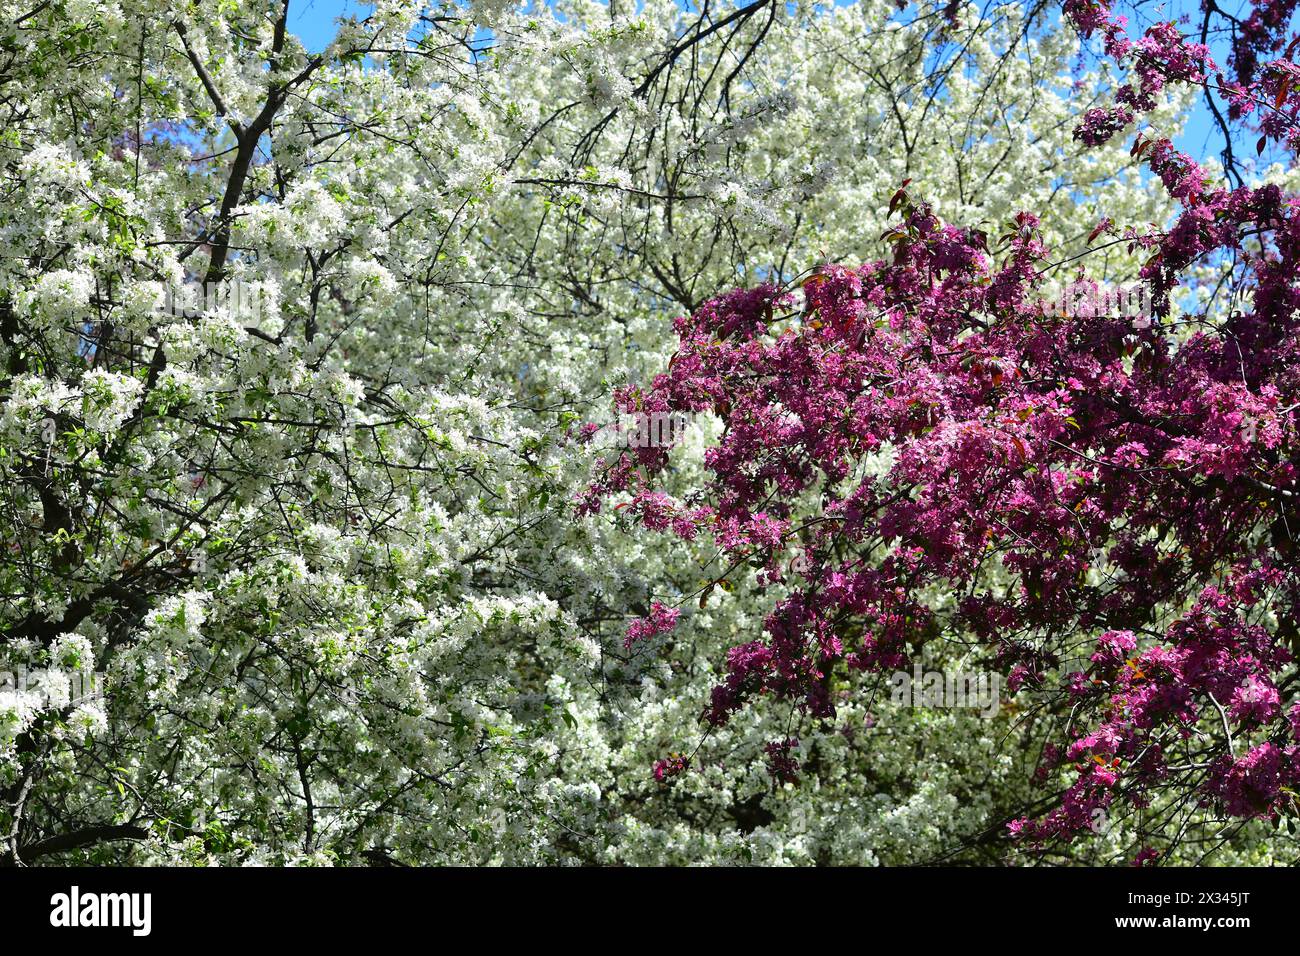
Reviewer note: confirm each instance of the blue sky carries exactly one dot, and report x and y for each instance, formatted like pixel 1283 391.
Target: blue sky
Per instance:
pixel 313 20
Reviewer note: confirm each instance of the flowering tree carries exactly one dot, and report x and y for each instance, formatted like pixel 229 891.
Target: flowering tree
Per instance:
pixel 295 348
pixel 923 451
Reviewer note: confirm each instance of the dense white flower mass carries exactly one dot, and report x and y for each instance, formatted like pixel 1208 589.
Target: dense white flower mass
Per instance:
pixel 325 555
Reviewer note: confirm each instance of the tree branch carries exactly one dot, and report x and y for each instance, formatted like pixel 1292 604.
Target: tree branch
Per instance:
pixel 79 838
